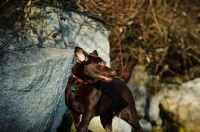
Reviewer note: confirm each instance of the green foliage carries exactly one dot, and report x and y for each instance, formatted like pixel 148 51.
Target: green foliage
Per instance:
pixel 131 35
pixel 73 128
pixel 169 126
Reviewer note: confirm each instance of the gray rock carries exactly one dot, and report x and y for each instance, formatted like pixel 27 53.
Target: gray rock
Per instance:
pixel 182 106
pixel 146 125
pixel 140 95
pixel 154 110
pixel 77 30
pixel 118 125
pixel 32 89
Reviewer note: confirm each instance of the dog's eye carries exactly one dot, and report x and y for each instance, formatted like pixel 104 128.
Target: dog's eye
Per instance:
pixel 101 63
pixel 101 67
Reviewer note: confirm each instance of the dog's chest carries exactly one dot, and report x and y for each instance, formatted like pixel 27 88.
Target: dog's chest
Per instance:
pixel 80 100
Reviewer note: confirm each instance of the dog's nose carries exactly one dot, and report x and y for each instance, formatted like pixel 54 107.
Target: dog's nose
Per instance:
pixel 113 72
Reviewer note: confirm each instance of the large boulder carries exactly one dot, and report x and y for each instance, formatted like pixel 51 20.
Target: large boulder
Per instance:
pixel 139 93
pixel 180 109
pixel 35 68
pixel 66 29
pixel 32 89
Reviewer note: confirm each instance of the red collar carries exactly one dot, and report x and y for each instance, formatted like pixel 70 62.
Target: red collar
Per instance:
pixel 77 79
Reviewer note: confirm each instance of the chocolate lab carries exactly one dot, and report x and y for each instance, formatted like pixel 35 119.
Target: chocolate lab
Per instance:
pixel 92 90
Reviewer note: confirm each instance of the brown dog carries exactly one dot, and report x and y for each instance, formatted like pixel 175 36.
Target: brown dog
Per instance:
pixel 92 90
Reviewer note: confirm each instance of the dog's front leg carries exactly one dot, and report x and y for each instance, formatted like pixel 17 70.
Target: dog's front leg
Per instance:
pixel 76 119
pixel 86 118
pixel 106 121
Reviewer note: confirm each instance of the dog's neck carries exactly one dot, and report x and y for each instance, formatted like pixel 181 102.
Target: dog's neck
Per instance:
pixel 77 79
pixel 81 80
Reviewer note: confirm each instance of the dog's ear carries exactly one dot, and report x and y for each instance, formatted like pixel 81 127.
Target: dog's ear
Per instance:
pixel 80 55
pixel 94 53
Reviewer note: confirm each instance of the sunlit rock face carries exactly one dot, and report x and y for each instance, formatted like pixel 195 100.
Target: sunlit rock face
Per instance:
pixel 66 29
pixel 32 89
pixel 180 108
pixel 34 68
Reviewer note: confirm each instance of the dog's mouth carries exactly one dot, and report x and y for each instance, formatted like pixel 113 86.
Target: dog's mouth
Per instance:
pixel 105 78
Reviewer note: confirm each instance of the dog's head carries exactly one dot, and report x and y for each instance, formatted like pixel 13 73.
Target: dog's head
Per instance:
pixel 94 66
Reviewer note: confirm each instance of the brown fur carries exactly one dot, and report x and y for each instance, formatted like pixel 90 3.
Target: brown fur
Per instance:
pixel 99 93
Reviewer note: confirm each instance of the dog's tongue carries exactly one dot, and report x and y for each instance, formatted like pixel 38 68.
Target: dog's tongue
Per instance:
pixel 107 79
